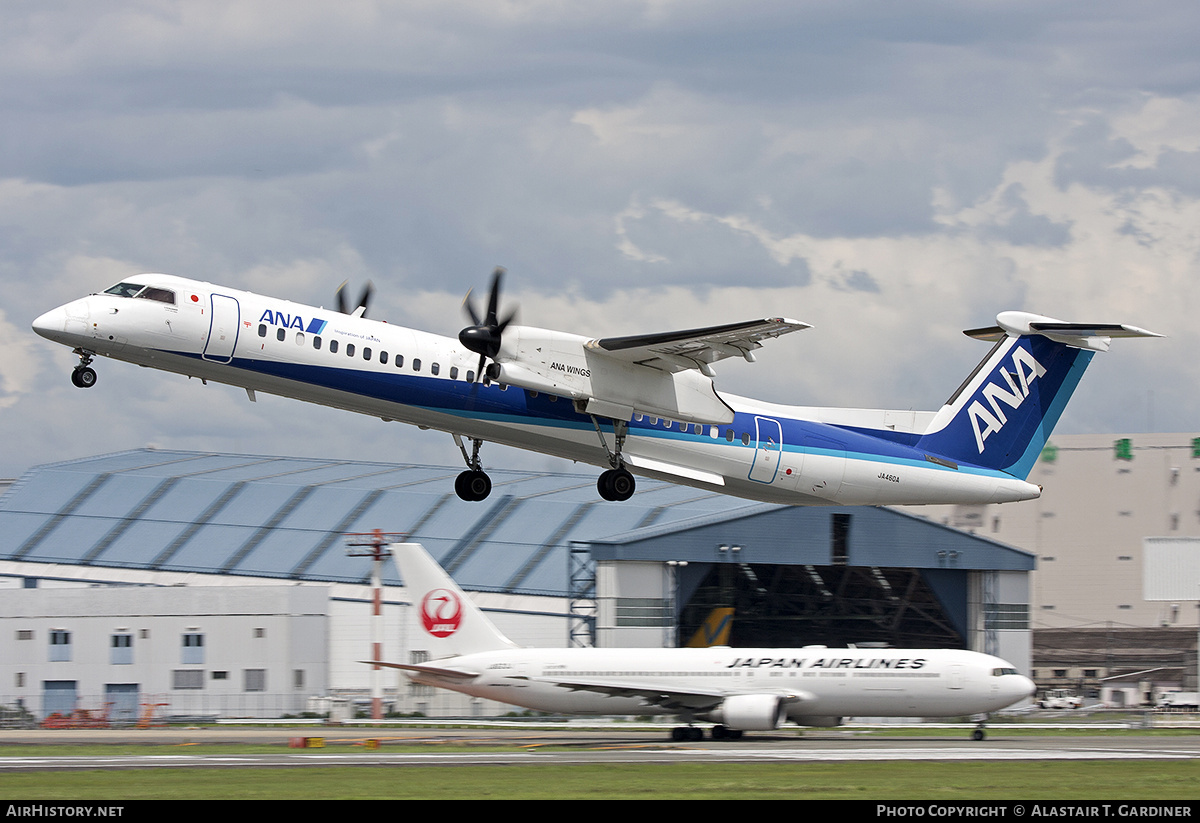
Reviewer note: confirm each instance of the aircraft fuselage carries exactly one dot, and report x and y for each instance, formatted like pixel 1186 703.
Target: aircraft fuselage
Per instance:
pixel 772 453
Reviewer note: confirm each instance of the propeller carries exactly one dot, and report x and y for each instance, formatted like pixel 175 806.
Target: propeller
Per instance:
pixel 483 335
pixel 363 300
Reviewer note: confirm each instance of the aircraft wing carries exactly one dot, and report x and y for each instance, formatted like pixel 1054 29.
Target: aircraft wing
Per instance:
pixel 656 694
pixel 695 348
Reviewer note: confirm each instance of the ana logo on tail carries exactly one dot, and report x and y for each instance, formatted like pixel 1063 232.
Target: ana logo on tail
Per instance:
pixel 1025 370
pixel 441 612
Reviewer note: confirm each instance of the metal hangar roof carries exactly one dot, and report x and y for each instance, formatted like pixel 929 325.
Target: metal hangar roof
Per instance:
pixel 284 517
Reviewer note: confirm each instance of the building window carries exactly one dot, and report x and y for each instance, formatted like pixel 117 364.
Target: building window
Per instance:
pixel 193 648
pixel 997 616
pixel 642 611
pixel 839 539
pixel 255 680
pixel 187 679
pixel 60 646
pixel 298 679
pixel 121 649
pixel 220 675
pixel 24 634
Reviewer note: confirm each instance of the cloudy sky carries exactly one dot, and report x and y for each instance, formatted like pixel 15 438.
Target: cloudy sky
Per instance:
pixel 890 172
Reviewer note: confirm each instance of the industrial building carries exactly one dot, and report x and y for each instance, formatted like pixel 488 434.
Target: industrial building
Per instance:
pixel 1095 615
pixel 217 584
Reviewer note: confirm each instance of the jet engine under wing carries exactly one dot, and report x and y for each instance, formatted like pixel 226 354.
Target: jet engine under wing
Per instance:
pixel 695 348
pixel 666 696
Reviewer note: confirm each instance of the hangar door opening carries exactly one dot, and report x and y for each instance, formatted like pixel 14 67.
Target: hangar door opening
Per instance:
pixel 790 606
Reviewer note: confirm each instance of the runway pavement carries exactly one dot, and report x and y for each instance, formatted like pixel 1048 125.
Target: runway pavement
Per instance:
pixel 170 748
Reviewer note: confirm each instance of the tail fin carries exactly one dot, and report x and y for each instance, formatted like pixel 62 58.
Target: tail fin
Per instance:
pixel 715 629
pixel 1001 417
pixel 448 621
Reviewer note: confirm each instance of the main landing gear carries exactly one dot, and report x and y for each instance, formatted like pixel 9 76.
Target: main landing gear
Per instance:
pixel 615 484
pixel 83 376
pixel 474 484
pixel 680 734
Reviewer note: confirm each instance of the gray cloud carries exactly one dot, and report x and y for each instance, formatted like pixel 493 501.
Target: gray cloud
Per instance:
pixel 891 173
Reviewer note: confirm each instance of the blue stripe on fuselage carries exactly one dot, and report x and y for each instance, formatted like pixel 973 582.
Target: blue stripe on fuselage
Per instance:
pixel 515 405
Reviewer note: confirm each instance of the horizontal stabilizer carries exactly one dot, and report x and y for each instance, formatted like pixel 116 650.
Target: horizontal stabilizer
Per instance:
pixel 433 670
pixel 1093 336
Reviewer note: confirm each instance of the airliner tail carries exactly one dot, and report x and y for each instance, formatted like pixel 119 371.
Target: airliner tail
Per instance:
pixel 1001 417
pixel 449 621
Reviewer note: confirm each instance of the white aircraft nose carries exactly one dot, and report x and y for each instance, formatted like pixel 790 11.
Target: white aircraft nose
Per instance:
pixel 52 324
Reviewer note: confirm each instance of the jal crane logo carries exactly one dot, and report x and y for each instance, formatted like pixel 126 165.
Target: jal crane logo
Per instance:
pixel 441 612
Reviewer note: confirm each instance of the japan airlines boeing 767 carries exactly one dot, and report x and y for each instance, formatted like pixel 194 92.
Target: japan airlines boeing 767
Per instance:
pixel 738 689
pixel 645 404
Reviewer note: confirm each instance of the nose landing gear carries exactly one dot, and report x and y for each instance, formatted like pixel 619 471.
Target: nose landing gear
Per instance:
pixel 83 376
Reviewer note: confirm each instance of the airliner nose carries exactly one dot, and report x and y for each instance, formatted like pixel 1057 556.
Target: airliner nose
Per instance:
pixel 52 324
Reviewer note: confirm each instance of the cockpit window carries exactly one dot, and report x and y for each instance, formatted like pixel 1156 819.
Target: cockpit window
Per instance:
pixel 1002 672
pixel 125 289
pixel 143 292
pixel 161 295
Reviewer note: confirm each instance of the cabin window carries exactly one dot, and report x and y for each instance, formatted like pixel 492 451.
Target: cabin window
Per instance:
pixel 399 361
pixel 299 338
pixel 454 372
pixel 745 438
pixel 349 349
pixel 262 329
pixel 333 344
pixel 317 343
pixel 366 352
pixel 470 375
pixel 280 334
pixel 729 435
pixel 435 368
pixel 383 357
pixel 416 364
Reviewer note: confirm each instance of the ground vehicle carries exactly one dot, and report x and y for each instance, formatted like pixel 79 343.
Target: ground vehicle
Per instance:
pixel 1179 700
pixel 1060 699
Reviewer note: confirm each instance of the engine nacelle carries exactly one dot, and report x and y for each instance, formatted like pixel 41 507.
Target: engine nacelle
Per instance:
pixel 750 712
pixel 559 363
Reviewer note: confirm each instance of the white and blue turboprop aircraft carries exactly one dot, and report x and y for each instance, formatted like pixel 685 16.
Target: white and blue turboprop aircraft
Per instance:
pixel 644 404
pixel 737 689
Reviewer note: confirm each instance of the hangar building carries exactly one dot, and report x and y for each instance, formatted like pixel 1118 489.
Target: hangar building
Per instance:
pixel 210 584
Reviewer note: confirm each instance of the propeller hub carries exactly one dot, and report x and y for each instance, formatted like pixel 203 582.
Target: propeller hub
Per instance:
pixel 483 340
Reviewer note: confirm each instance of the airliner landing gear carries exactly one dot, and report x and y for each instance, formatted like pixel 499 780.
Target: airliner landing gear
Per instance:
pixel 474 484
pixel 720 732
pixel 979 733
pixel 616 483
pixel 682 733
pixel 83 376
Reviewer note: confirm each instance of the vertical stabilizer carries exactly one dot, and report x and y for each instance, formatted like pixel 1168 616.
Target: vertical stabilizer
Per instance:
pixel 1003 414
pixel 447 621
